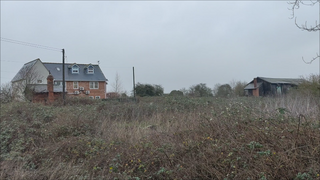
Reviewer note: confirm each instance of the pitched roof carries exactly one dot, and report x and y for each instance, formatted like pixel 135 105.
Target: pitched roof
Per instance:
pixel 56 71
pixel 274 81
pixel 251 86
pixel 24 70
pixel 282 80
pixel 42 88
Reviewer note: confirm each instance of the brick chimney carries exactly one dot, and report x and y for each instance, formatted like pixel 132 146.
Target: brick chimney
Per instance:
pixel 255 91
pixel 255 82
pixel 50 88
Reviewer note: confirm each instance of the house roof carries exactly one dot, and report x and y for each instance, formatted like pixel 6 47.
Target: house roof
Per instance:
pixel 251 86
pixel 42 88
pixel 24 70
pixel 56 71
pixel 274 81
pixel 282 80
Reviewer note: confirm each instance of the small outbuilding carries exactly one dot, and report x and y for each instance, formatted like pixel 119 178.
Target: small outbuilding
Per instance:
pixel 262 86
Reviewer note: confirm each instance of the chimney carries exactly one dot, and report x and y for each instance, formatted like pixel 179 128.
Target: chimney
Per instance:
pixel 255 82
pixel 50 88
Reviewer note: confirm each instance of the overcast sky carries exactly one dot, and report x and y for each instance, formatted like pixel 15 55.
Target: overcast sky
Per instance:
pixel 175 44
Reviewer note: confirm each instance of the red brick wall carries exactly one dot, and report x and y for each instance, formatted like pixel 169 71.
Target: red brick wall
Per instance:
pixel 82 93
pixel 43 97
pixel 50 88
pixel 255 92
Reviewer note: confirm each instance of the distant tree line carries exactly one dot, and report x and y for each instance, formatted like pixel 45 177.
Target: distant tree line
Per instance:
pixel 199 90
pixel 224 90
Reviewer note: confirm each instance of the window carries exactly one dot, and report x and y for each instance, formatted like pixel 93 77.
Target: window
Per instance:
pixel 58 83
pixel 97 97
pixel 75 85
pixel 39 81
pixel 94 85
pixel 75 69
pixel 91 97
pixel 90 70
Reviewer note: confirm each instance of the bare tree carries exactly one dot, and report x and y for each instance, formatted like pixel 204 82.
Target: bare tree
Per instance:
pixel 6 93
pixel 215 89
pixel 296 5
pixel 23 84
pixel 238 89
pixel 117 84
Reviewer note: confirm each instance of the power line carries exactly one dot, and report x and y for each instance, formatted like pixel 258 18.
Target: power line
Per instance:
pixel 12 61
pixel 30 44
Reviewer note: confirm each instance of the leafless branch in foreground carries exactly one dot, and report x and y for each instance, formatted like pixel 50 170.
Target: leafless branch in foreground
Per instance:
pixel 296 5
pixel 313 59
pixel 305 27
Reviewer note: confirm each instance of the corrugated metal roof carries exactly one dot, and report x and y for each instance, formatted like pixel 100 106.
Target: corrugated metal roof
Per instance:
pixel 56 71
pixel 24 70
pixel 282 80
pixel 251 86
pixel 274 81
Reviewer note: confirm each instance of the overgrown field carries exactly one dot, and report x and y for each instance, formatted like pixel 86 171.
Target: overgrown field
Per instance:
pixel 162 138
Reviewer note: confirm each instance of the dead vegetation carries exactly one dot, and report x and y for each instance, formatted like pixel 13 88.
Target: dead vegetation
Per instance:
pixel 162 138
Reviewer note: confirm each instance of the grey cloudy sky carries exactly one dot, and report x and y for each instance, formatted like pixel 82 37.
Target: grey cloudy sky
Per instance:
pixel 175 44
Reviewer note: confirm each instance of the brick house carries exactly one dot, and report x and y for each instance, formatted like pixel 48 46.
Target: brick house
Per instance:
pixel 263 86
pixel 81 80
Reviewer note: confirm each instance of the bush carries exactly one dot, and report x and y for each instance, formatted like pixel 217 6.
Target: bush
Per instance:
pixel 162 138
pixel 176 93
pixel 200 90
pixel 148 90
pixel 309 85
pixel 6 93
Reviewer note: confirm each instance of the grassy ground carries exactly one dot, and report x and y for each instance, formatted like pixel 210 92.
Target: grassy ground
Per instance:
pixel 162 138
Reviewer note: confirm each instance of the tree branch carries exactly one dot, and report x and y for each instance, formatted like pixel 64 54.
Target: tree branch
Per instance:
pixel 296 5
pixel 306 28
pixel 313 59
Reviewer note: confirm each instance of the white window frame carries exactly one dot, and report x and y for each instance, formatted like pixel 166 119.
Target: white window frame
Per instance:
pixel 75 85
pixel 39 81
pixel 75 69
pixel 92 85
pixel 97 97
pixel 90 70
pixel 57 83
pixel 91 97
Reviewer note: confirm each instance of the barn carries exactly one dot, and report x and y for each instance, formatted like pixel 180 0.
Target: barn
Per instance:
pixel 263 86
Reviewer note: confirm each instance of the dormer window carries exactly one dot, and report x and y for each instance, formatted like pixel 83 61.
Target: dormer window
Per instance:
pixel 90 69
pixel 75 69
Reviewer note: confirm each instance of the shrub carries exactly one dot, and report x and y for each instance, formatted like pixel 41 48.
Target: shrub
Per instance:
pixel 162 138
pixel 176 93
pixel 148 90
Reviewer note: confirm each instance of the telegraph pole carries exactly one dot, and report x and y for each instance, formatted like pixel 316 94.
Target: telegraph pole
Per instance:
pixel 319 71
pixel 134 84
pixel 63 80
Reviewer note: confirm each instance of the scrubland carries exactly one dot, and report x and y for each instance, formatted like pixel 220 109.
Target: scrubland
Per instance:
pixel 162 138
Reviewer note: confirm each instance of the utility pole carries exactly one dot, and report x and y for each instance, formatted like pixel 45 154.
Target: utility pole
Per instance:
pixel 134 84
pixel 63 80
pixel 319 72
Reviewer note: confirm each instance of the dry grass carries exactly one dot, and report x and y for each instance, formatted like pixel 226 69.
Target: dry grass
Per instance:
pixel 162 138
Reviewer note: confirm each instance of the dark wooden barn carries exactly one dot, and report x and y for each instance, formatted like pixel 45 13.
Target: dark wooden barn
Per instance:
pixel 262 86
